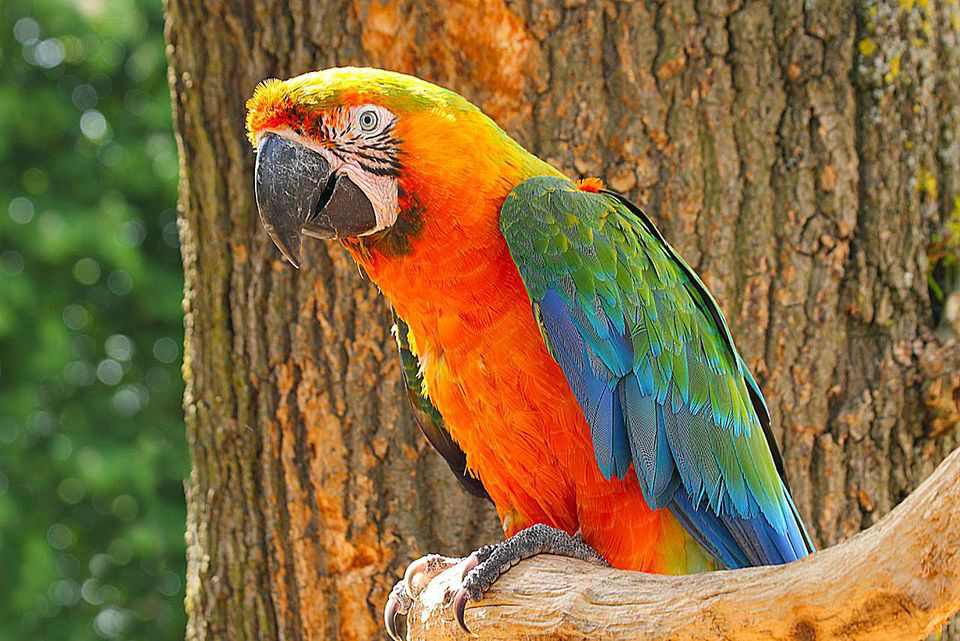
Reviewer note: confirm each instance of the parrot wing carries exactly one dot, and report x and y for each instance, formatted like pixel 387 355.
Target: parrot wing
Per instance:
pixel 648 356
pixel 428 416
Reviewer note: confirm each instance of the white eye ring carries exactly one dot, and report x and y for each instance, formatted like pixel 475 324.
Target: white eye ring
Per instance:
pixel 368 119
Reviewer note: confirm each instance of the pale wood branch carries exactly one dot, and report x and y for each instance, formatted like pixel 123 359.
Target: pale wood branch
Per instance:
pixel 896 581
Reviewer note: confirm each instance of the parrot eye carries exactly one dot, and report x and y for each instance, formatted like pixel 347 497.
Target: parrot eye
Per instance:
pixel 368 119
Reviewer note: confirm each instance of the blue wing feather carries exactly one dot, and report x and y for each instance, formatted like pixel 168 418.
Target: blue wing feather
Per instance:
pixel 649 358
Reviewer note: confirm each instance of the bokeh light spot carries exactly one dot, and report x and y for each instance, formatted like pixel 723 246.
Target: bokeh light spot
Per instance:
pixel 169 584
pixel 110 623
pixel 171 235
pixel 100 564
pixel 84 97
pixel 109 371
pixel 90 593
pixel 125 507
pixel 61 447
pixel 26 31
pixel 125 402
pixel 49 53
pixel 72 490
pixel 165 350
pixel 59 536
pixel 93 125
pixel 35 181
pixel 65 593
pixel 40 422
pixel 75 316
pixel 79 373
pixel 120 550
pixel 119 347
pixel 119 282
pixel 132 233
pixel 157 379
pixel 21 210
pixel 11 262
pixel 86 271
pixel 111 154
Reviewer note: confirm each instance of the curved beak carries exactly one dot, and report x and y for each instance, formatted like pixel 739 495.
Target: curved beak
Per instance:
pixel 297 194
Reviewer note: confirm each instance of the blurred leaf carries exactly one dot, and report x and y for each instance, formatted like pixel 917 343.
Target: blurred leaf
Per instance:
pixel 92 448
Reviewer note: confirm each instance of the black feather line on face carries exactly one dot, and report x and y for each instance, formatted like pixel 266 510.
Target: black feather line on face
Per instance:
pixel 337 153
pixel 362 154
pixel 378 155
pixel 385 133
pixel 380 171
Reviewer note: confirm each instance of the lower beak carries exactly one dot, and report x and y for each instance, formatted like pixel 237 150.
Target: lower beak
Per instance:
pixel 297 193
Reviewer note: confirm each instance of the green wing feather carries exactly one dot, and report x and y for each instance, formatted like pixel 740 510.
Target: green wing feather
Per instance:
pixel 649 357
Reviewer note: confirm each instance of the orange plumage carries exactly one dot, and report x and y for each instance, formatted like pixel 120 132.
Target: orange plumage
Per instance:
pixel 503 397
pixel 485 367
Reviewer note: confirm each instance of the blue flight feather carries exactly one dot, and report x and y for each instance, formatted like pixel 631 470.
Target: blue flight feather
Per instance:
pixel 650 360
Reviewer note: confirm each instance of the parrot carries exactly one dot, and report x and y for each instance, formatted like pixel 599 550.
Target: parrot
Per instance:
pixel 558 352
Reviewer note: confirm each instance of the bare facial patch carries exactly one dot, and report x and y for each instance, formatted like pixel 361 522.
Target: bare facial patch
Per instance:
pixel 366 171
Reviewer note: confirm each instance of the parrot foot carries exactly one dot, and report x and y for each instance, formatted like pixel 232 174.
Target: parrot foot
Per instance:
pixel 405 592
pixel 486 565
pixel 480 570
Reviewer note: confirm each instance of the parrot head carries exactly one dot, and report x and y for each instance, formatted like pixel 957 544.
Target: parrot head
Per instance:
pixel 363 155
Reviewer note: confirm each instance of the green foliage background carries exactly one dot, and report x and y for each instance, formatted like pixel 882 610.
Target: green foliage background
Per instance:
pixel 92 448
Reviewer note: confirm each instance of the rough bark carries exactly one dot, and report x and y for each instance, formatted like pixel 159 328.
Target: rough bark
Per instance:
pixel 800 155
pixel 897 581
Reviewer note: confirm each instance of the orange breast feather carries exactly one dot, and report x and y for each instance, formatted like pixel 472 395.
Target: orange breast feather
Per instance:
pixel 506 401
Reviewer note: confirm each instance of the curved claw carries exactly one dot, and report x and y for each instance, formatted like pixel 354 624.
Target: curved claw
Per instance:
pixel 414 571
pixel 460 607
pixel 423 570
pixel 390 612
pixel 417 575
pixel 471 562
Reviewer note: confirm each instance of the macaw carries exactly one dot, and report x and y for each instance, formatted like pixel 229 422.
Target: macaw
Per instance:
pixel 558 351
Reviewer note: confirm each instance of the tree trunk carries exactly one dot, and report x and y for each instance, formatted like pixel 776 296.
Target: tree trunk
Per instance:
pixel 801 156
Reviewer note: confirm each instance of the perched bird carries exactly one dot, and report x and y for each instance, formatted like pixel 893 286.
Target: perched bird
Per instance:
pixel 559 353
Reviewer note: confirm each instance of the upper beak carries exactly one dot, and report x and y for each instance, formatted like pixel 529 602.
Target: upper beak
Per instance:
pixel 297 193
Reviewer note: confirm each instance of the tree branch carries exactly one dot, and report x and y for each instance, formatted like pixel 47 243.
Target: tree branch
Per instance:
pixel 896 581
